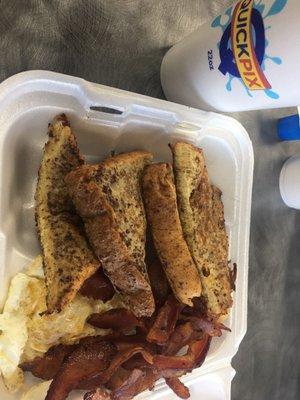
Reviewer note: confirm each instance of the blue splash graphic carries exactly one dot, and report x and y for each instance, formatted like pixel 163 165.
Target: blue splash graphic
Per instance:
pixel 247 90
pixel 228 12
pixel 275 60
pixel 228 84
pixel 217 21
pixel 221 22
pixel 271 94
pixel 217 24
pixel 276 8
pixel 260 7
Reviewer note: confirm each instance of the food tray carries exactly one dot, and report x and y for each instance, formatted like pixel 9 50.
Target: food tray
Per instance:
pixel 106 119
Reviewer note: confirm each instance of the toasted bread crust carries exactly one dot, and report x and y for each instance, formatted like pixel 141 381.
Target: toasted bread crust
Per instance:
pixel 162 213
pixel 107 196
pixel 67 257
pixel 202 218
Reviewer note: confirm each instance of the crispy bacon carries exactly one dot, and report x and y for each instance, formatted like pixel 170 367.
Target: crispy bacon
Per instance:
pixel 232 276
pixel 159 283
pixel 130 386
pixel 46 367
pixel 165 321
pixel 126 364
pixel 135 362
pixel 136 382
pixel 173 373
pixel 111 337
pixel 178 388
pixel 125 385
pixel 128 342
pixel 83 362
pixel 98 394
pixel 118 319
pixel 98 287
pixel 199 307
pixel 118 378
pixel 182 336
pixel 206 325
pixel 119 366
pixel 194 358
pixel 99 379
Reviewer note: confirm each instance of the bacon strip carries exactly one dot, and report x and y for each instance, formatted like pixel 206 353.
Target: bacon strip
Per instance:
pixel 130 386
pixel 135 362
pixel 183 335
pixel 207 326
pixel 85 361
pixel 159 282
pixel 98 287
pixel 98 394
pixel 178 388
pixel 165 321
pixel 46 367
pixel 233 276
pixel 119 366
pixel 194 358
pixel 118 319
pixel 118 378
pixel 137 383
pixel 173 373
pixel 99 379
pixel 199 307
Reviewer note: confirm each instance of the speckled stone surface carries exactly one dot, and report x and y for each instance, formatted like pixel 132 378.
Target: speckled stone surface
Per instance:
pixel 121 43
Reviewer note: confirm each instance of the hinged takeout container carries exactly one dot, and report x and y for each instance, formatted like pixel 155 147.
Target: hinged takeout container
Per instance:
pixel 106 119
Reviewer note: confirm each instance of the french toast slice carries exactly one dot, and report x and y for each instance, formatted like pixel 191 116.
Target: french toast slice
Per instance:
pixel 162 214
pixel 202 217
pixel 108 198
pixel 67 257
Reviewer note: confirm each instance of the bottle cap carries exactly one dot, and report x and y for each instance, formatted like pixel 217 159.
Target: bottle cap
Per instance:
pixel 289 128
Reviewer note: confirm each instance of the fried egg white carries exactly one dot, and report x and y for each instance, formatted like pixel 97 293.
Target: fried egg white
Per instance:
pixel 37 392
pixel 25 332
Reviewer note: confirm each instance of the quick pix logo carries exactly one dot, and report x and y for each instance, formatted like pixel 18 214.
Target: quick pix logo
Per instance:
pixel 243 44
pixel 247 62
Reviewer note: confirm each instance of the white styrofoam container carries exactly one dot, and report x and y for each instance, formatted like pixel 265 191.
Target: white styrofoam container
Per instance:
pixel 106 119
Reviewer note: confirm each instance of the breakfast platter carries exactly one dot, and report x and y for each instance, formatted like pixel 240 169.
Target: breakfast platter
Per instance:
pixel 124 222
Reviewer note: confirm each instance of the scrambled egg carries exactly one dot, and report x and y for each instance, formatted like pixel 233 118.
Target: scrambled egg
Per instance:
pixel 26 333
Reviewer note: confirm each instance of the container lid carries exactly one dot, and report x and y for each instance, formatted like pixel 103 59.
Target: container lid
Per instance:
pixel 289 128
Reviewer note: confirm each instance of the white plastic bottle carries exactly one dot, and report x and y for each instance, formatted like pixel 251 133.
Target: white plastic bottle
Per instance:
pixel 289 181
pixel 246 59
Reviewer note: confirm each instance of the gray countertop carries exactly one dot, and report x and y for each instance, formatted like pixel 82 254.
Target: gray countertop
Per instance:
pixel 121 43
